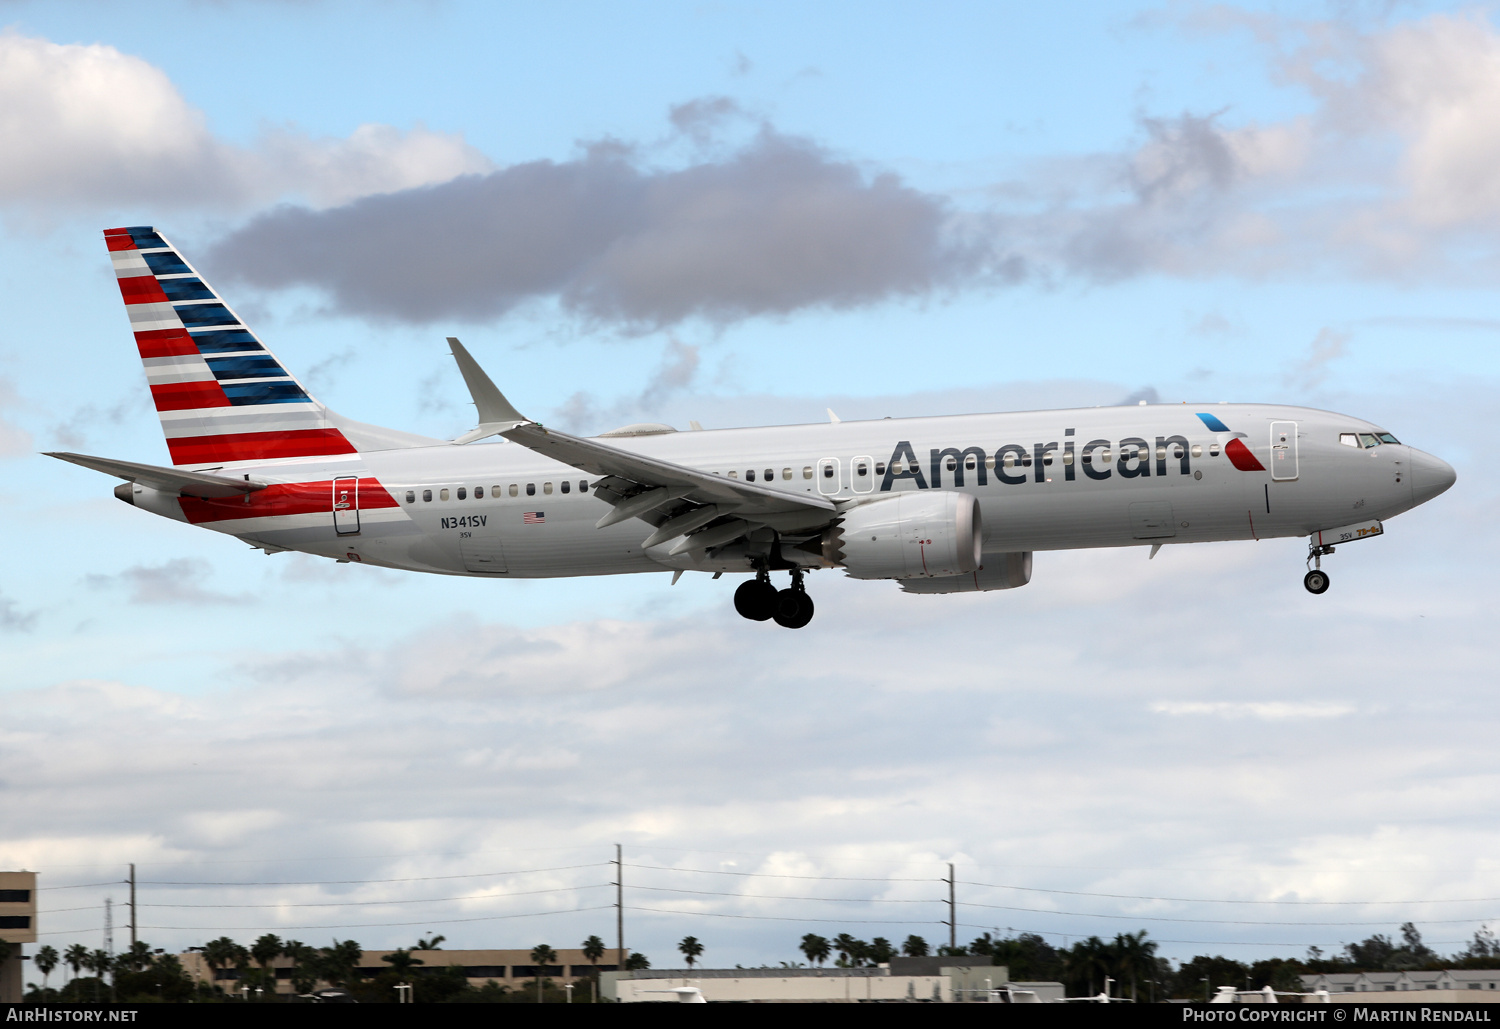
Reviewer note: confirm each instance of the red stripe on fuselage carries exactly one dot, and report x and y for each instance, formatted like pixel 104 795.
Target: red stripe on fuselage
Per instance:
pixel 289 498
pixel 141 289
pixel 1240 456
pixel 258 446
pixel 185 396
pixel 165 343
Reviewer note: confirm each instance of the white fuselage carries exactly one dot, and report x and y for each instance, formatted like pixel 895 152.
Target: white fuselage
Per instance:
pixel 1026 470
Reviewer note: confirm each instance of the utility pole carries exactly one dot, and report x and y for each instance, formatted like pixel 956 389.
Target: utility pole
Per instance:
pixel 619 911
pixel 132 905
pixel 952 914
pixel 109 926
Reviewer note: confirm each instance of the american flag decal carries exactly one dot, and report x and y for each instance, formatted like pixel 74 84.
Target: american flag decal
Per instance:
pixel 533 517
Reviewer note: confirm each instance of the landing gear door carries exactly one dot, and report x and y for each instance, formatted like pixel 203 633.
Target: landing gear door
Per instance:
pixel 346 505
pixel 1283 451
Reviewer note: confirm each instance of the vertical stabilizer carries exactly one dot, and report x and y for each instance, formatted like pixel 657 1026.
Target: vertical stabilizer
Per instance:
pixel 221 395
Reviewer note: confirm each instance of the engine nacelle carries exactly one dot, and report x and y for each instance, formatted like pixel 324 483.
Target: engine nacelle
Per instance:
pixel 999 572
pixel 909 535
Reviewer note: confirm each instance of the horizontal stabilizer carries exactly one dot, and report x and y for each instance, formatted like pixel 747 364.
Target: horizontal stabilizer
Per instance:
pixel 168 480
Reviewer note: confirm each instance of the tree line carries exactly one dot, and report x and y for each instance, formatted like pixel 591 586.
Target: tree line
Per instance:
pixel 143 974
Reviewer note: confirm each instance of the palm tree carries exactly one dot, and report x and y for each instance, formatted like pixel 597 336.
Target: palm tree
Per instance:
pixel 45 961
pixel 136 958
pixel 541 955
pixel 881 951
pixel 846 946
pixel 690 948
pixel 815 947
pixel 99 963
pixel 429 943
pixel 914 947
pixel 593 949
pixel 340 962
pixel 402 961
pixel 1134 956
pixel 76 957
pixel 304 965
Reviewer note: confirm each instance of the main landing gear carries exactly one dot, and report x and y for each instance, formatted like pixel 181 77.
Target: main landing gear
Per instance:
pixel 760 601
pixel 1316 580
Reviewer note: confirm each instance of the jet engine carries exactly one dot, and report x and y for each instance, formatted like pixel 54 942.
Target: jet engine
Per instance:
pixel 999 572
pixel 909 535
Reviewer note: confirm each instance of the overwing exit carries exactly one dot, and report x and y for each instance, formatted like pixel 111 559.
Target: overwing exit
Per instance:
pixel 939 505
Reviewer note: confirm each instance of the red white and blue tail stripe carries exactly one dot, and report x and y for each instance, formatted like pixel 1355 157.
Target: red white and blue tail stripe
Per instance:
pixel 221 395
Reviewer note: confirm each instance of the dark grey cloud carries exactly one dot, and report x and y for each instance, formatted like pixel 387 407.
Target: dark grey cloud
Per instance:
pixel 774 226
pixel 13 618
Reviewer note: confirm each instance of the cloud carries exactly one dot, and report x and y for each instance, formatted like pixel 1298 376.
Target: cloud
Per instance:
pixel 14 440
pixel 774 226
pixel 1275 711
pixel 178 581
pixel 89 125
pixel 677 371
pixel 13 619
pixel 1327 347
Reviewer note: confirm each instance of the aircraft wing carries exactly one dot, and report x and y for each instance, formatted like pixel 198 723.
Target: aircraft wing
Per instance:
pixel 748 499
pixel 169 480
pixel 706 510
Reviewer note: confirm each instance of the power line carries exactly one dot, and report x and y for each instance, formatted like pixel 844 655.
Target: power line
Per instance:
pixel 369 882
pixel 375 925
pixel 384 903
pixel 764 896
pixel 783 875
pixel 1205 921
pixel 1205 900
pixel 780 918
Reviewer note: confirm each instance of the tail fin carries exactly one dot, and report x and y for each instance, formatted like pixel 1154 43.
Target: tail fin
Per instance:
pixel 220 394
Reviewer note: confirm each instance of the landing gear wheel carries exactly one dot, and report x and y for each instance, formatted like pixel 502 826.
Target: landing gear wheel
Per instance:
pixel 756 600
pixel 794 608
pixel 1316 581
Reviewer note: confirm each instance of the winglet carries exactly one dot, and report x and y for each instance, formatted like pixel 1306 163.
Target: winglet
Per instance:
pixel 495 412
pixel 833 419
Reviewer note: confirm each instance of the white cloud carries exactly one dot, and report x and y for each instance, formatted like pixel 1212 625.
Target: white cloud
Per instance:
pixel 89 125
pixel 1274 711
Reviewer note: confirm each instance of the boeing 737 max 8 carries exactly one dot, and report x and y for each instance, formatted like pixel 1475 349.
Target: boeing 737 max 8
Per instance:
pixel 941 505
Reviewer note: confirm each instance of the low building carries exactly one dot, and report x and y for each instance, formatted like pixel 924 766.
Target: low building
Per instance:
pixel 17 928
pixel 504 967
pixel 939 980
pixel 1448 985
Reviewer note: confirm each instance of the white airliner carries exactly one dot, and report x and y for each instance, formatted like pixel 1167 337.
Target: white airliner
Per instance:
pixel 256 457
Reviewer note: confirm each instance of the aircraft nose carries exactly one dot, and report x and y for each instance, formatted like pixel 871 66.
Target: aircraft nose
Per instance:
pixel 1429 476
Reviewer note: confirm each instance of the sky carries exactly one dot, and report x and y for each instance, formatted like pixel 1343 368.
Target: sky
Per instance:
pixel 746 214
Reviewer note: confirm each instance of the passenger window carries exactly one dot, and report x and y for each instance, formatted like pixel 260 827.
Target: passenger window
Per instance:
pixel 1047 460
pixel 861 469
pixel 1213 450
pixel 442 494
pixel 495 491
pixel 952 464
pixel 547 488
pixel 828 471
pixel 463 493
pixel 411 496
pixel 583 486
pixel 770 475
pixel 1161 453
pixel 1348 439
pixel 750 475
pixel 895 467
pixel 566 485
pixel 531 489
pixel 807 471
pixel 514 490
pixel 478 492
pixel 879 467
pixel 969 463
pixel 1010 460
pixel 786 473
pixel 734 475
pixel 1197 450
pixel 426 496
pixel 1068 457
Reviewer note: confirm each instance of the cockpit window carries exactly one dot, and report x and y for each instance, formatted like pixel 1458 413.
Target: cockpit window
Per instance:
pixel 1349 439
pixel 1369 439
pixel 1386 437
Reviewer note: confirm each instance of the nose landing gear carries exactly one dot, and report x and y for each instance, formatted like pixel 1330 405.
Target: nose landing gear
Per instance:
pixel 1316 580
pixel 759 601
